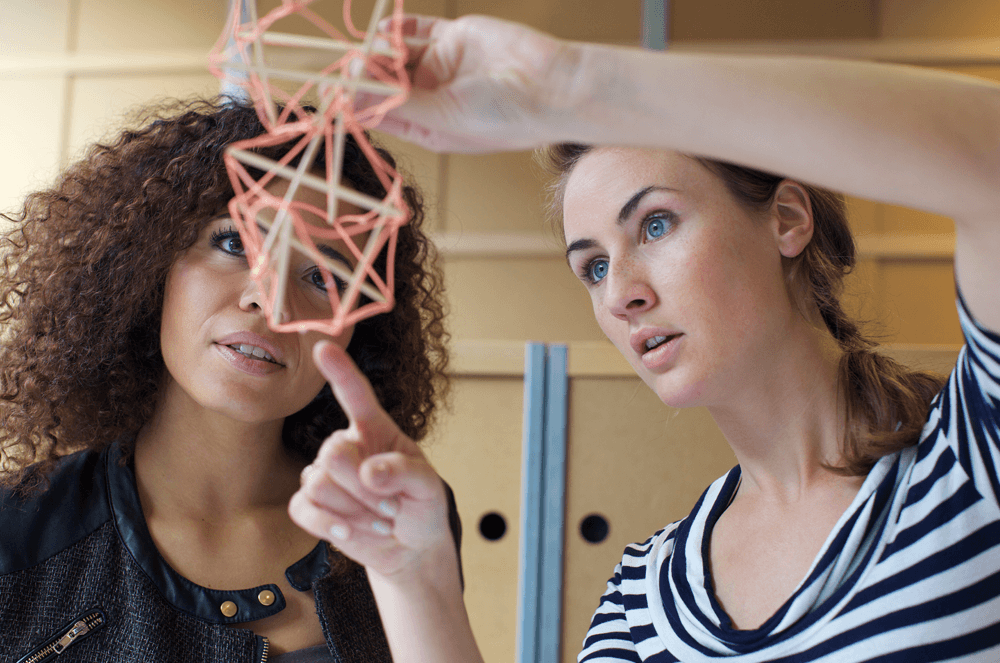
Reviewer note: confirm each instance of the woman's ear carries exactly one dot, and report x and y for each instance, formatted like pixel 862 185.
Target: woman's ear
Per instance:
pixel 794 219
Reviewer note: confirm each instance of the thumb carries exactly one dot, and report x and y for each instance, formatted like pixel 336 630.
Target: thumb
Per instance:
pixel 350 387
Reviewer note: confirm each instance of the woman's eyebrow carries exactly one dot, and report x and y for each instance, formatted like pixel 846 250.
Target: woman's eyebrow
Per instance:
pixel 334 254
pixel 633 202
pixel 579 245
pixel 623 214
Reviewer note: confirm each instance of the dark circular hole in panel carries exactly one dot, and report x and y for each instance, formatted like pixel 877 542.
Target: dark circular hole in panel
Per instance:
pixel 594 528
pixel 492 526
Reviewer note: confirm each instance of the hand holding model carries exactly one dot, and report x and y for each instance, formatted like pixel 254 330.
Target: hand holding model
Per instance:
pixel 480 84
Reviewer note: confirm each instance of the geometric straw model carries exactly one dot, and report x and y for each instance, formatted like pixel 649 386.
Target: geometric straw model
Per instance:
pixel 334 68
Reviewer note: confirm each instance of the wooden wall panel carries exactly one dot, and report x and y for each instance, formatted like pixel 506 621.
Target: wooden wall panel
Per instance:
pixel 982 71
pixel 332 12
pixel 35 27
pixel 921 295
pixel 102 104
pixel 907 221
pixel 585 20
pixel 637 463
pixel 939 18
pixel 477 449
pixel 863 215
pixel 773 19
pixel 537 299
pixel 422 167
pixel 113 25
pixel 32 153
pixel 503 192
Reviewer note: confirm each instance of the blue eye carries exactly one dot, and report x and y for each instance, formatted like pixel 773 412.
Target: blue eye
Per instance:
pixel 597 270
pixel 228 241
pixel 656 227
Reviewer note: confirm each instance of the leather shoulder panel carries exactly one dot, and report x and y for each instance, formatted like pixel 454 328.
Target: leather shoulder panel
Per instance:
pixel 36 526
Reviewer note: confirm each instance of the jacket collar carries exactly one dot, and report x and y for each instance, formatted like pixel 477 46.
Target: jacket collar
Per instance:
pixel 191 598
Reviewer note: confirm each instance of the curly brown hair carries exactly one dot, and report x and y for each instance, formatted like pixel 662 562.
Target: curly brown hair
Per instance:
pixel 84 271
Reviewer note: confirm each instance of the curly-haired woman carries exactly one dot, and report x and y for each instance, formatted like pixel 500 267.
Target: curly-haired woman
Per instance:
pixel 153 428
pixel 862 523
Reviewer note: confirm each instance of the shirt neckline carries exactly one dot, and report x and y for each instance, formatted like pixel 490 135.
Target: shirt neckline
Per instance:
pixel 693 589
pixel 185 595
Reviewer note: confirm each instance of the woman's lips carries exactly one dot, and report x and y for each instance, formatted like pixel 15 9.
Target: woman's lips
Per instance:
pixel 248 364
pixel 258 345
pixel 251 353
pixel 662 355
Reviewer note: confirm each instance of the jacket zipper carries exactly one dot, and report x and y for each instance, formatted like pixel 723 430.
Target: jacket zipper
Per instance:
pixel 79 628
pixel 267 645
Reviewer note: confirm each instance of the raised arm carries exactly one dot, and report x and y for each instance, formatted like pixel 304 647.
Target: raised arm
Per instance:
pixel 902 135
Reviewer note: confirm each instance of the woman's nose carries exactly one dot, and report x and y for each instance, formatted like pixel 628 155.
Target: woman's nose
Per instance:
pixel 628 291
pixel 250 298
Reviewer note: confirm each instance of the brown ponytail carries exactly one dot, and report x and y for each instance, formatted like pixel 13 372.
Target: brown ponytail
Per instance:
pixel 886 404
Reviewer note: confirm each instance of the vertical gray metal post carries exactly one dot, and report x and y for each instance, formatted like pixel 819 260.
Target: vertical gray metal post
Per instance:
pixel 553 505
pixel 655 19
pixel 229 88
pixel 532 468
pixel 543 488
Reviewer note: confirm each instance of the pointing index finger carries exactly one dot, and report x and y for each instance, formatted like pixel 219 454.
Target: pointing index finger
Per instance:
pixel 350 387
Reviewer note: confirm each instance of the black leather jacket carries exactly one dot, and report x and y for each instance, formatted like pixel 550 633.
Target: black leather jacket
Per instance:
pixel 81 580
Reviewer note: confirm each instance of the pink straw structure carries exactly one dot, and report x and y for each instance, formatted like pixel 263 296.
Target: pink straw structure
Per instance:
pixel 271 226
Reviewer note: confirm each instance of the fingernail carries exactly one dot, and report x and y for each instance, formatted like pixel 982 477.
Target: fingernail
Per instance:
pixel 380 473
pixel 388 508
pixel 306 471
pixel 381 527
pixel 339 532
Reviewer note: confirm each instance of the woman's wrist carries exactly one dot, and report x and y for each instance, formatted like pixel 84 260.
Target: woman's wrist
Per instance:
pixel 424 612
pixel 436 567
pixel 589 91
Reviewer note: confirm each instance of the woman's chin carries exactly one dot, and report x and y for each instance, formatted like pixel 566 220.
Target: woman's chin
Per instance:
pixel 676 392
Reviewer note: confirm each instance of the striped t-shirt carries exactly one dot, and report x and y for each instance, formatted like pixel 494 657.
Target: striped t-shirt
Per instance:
pixel 909 574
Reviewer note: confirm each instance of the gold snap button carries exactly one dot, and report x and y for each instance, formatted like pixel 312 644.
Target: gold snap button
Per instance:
pixel 266 597
pixel 228 608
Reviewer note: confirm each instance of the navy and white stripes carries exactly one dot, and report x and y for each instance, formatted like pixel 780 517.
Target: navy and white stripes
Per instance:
pixel 910 573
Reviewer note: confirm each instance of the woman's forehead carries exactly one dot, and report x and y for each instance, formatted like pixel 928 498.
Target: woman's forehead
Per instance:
pixel 618 169
pixel 607 178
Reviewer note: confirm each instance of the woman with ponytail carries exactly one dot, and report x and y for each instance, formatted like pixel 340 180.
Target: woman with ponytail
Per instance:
pixel 862 522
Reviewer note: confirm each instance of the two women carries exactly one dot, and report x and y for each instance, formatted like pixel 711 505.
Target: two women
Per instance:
pixel 863 520
pixel 154 427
